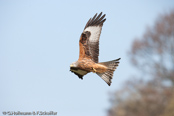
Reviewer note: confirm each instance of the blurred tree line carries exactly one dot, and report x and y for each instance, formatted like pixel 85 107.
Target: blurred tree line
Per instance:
pixel 153 56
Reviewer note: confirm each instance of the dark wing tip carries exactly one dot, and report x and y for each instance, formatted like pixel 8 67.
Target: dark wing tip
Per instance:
pixel 118 58
pixel 80 76
pixel 96 20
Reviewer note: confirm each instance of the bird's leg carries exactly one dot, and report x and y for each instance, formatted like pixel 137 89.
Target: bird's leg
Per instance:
pixel 94 70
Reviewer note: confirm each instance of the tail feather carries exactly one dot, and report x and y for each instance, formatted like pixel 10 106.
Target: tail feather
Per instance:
pixel 111 66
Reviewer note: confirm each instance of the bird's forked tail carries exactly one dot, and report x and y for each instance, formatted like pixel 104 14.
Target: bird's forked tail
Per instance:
pixel 111 66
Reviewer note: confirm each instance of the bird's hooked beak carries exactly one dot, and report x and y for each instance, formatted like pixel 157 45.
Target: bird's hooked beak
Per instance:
pixel 71 65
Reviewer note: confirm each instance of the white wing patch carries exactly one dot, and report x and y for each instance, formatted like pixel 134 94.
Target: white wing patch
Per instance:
pixel 95 33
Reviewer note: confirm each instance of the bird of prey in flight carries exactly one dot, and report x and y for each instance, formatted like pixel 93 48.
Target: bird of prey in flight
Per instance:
pixel 89 52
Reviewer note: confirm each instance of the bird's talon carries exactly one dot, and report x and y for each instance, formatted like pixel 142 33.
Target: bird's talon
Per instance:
pixel 94 70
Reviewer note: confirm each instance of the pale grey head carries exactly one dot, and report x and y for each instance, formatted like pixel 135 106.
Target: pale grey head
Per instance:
pixel 74 64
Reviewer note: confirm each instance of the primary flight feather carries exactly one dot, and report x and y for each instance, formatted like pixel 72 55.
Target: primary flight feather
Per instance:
pixel 89 52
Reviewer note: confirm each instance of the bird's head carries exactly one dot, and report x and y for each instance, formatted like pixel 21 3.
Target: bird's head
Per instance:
pixel 74 64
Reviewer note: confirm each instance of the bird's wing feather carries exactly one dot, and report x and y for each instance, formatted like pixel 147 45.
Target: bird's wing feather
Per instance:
pixel 89 40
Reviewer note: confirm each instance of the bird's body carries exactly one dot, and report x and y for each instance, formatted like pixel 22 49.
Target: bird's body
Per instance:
pixel 89 52
pixel 90 66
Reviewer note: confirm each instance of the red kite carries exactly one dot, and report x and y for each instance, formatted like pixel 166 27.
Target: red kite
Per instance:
pixel 89 52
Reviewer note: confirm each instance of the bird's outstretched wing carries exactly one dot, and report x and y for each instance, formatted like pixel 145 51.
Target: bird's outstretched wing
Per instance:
pixel 89 40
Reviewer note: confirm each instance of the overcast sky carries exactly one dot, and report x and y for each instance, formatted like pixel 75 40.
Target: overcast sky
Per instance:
pixel 39 40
